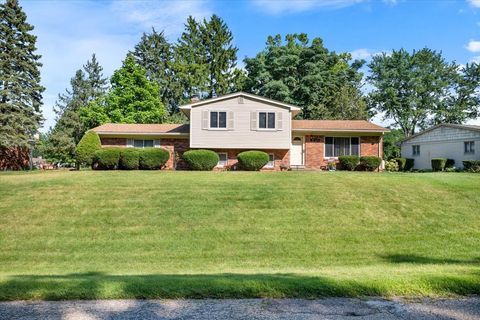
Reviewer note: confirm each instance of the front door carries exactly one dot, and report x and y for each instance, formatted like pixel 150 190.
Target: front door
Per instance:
pixel 296 152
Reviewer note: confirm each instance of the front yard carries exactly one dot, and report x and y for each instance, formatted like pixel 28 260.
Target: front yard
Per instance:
pixel 118 234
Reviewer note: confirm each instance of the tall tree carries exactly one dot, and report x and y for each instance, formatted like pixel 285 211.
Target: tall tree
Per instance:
pixel 416 89
pixel 87 85
pixel 156 55
pixel 132 99
pixel 206 58
pixel 325 84
pixel 20 88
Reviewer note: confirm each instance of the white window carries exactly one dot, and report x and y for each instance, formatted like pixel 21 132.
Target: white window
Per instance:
pixel 218 119
pixel 415 150
pixel 266 120
pixel 143 143
pixel 223 161
pixel 271 161
pixel 342 146
pixel 469 147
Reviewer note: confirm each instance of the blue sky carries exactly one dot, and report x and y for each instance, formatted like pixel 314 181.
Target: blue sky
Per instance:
pixel 70 31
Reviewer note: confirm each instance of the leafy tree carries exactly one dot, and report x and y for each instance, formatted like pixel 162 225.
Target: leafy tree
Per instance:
pixel 86 86
pixel 20 88
pixel 391 144
pixel 416 89
pixel 132 99
pixel 206 58
pixel 325 84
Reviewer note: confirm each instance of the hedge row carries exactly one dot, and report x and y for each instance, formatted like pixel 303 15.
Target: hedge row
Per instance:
pixel 351 163
pixel 404 164
pixel 130 158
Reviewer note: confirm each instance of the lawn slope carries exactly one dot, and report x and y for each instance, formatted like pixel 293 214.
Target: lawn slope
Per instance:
pixel 66 235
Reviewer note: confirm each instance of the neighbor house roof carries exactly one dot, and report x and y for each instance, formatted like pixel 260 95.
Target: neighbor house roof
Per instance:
pixel 240 94
pixel 127 128
pixel 336 125
pixel 451 125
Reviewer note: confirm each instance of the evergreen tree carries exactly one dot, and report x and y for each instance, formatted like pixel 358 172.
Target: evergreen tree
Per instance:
pixel 206 59
pixel 20 88
pixel 132 99
pixel 86 86
pixel 325 84
pixel 156 55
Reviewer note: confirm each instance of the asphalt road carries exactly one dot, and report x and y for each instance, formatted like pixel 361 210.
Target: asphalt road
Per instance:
pixel 335 308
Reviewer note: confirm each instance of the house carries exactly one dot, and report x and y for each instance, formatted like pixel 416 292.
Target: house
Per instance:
pixel 240 121
pixel 451 141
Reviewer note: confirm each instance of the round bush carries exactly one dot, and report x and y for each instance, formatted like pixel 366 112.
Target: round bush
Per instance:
pixel 391 165
pixel 252 160
pixel 152 158
pixel 450 163
pixel 86 148
pixel 370 163
pixel 106 158
pixel 409 164
pixel 349 162
pixel 204 160
pixel 401 163
pixel 438 164
pixel 129 159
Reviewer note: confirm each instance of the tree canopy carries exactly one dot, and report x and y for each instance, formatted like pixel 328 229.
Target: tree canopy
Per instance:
pixel 421 88
pixel 325 84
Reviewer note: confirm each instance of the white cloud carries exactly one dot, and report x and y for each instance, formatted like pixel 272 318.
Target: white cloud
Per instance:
pixel 474 3
pixel 70 31
pixel 362 53
pixel 473 46
pixel 292 6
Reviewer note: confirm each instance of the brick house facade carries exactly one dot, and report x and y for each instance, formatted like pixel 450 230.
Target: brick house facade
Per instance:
pixel 238 122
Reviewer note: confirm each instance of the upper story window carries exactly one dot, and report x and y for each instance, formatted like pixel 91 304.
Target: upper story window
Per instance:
pixel 218 119
pixel 415 150
pixel 342 146
pixel 469 147
pixel 266 120
pixel 143 143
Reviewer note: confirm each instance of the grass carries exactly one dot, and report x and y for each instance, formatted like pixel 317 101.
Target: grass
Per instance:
pixel 138 234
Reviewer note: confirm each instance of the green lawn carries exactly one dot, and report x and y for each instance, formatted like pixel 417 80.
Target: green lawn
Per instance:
pixel 66 235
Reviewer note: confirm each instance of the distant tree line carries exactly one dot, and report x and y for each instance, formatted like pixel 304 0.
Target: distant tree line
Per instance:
pixel 414 90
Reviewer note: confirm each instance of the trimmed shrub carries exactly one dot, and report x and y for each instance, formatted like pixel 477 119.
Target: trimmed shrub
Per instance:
pixel 438 164
pixel 129 159
pixel 252 160
pixel 450 163
pixel 204 160
pixel 471 165
pixel 86 148
pixel 152 158
pixel 391 165
pixel 349 162
pixel 402 162
pixel 370 163
pixel 106 158
pixel 409 164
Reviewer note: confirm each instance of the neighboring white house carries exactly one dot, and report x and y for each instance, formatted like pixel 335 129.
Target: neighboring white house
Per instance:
pixel 451 141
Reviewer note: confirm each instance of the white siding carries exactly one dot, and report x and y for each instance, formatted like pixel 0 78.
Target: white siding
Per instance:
pixel 240 133
pixel 442 142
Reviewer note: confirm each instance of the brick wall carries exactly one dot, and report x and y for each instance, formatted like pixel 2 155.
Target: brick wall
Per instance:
pixel 314 149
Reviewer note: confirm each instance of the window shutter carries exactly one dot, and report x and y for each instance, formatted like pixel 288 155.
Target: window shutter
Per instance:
pixel 279 124
pixel 230 120
pixel 129 143
pixel 205 120
pixel 253 121
pixel 156 143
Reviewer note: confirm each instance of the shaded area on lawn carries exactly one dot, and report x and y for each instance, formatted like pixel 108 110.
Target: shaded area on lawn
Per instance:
pixel 417 259
pixel 94 285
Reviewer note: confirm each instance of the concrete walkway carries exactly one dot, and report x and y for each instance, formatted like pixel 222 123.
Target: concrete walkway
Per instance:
pixel 335 308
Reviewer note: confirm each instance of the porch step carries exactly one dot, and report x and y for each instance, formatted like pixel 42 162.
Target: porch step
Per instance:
pixel 297 167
